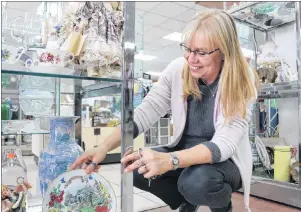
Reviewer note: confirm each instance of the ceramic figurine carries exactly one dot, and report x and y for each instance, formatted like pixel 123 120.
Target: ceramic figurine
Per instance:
pixel 13 199
pixel 267 75
pixel 61 152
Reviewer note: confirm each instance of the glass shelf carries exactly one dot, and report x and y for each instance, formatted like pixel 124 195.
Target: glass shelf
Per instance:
pixel 24 147
pixel 279 90
pixel 87 87
pixel 20 127
pixel 41 132
pixel 258 15
pixel 56 72
pixel 293 85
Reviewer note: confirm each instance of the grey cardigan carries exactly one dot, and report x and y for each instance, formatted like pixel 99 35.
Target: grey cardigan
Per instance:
pixel 232 139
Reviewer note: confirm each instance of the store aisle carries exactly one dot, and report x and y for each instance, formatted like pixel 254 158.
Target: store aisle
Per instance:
pixel 142 200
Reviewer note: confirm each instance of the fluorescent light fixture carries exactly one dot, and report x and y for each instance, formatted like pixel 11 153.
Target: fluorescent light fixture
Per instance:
pixel 144 57
pixel 154 73
pixel 175 36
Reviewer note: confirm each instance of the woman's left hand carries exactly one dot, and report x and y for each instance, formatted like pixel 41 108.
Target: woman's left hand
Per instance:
pixel 148 162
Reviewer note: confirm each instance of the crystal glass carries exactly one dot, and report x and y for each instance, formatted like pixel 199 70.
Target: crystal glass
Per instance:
pixel 36 83
pixel 14 175
pixel 36 103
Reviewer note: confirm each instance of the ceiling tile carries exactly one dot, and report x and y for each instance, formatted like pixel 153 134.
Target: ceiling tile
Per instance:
pixel 155 33
pixel 170 52
pixel 188 4
pixel 186 16
pixel 173 25
pixel 153 19
pixel 199 8
pixel 147 27
pixel 158 32
pixel 139 28
pixel 157 45
pixel 156 65
pixel 139 14
pixel 163 42
pixel 150 47
pixel 146 6
pixel 168 9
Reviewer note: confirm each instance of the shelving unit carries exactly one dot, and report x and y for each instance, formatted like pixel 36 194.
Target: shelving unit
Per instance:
pixel 86 87
pixel 240 13
pixel 264 186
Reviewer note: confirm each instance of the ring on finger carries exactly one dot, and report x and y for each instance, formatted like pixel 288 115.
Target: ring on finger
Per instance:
pixel 136 155
pixel 93 164
pixel 139 163
pixel 143 162
pixel 139 152
pixel 142 169
pixel 145 169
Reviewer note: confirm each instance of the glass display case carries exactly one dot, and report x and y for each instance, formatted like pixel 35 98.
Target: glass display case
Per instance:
pixel 54 56
pixel 275 133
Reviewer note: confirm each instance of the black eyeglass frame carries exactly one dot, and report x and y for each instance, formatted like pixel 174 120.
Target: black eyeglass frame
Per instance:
pixel 196 52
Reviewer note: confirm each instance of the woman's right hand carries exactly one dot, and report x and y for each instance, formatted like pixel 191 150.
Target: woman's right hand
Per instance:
pixel 92 157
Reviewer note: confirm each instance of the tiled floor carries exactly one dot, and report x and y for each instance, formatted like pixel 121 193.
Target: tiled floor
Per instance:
pixel 257 205
pixel 147 202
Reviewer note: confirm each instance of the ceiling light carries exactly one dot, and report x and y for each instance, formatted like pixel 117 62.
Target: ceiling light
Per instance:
pixel 144 57
pixel 175 36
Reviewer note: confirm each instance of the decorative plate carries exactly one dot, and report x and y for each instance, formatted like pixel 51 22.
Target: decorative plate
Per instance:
pixel 77 191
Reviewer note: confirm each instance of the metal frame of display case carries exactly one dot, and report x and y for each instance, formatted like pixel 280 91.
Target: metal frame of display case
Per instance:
pixel 127 113
pixel 286 193
pixel 105 86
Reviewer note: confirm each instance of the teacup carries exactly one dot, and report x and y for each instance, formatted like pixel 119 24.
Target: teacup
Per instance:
pixel 35 66
pixel 11 55
pixel 49 57
pixel 29 63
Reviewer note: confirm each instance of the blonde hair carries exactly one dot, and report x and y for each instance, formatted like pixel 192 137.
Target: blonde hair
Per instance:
pixel 237 88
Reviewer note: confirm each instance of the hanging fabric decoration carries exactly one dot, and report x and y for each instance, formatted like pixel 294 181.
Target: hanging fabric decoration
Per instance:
pixel 99 36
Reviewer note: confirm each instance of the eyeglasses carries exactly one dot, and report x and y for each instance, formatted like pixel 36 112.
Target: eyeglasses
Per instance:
pixel 196 52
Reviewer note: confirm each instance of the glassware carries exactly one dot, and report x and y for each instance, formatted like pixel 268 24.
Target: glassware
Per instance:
pixel 12 108
pixel 36 103
pixel 61 152
pixel 14 174
pixel 5 110
pixel 11 140
pixel 13 168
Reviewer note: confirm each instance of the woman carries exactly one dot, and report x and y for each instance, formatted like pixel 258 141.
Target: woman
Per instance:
pixel 210 92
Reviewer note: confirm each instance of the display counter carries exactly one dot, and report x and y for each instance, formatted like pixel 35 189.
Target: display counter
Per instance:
pixel 275 127
pixel 52 73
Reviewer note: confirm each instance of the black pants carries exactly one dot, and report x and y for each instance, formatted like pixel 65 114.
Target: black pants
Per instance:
pixel 206 185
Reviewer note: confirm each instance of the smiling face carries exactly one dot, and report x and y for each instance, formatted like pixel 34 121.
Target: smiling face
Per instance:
pixel 205 67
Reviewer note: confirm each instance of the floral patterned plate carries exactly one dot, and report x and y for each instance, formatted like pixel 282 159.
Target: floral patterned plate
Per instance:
pixel 77 191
